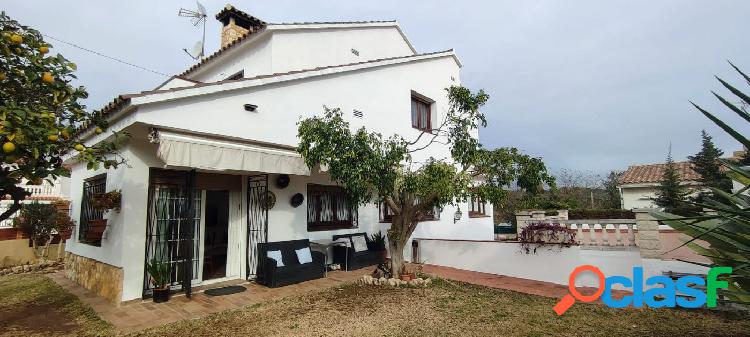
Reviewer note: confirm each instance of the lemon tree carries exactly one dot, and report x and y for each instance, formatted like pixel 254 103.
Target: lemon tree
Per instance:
pixel 42 118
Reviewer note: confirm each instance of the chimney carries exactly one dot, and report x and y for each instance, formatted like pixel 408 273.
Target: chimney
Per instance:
pixel 236 24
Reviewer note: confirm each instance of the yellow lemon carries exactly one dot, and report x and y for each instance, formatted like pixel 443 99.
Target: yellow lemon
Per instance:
pixel 52 138
pixel 2 76
pixel 16 38
pixel 47 77
pixel 98 130
pixel 65 134
pixel 79 147
pixel 44 49
pixel 9 147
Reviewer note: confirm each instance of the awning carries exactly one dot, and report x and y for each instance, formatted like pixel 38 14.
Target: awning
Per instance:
pixel 199 152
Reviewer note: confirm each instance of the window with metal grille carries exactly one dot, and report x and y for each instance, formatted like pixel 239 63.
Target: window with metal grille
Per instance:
pixel 173 226
pixel 421 113
pixel 476 207
pixel 91 187
pixel 328 208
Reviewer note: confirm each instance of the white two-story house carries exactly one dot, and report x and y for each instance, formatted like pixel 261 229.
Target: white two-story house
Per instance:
pixel 220 139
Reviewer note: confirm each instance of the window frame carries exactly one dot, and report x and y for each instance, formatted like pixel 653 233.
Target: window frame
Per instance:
pixel 91 186
pixel 477 207
pixel 385 216
pixel 319 226
pixel 236 76
pixel 428 103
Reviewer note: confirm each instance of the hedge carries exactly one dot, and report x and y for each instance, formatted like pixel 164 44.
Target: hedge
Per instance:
pixel 578 214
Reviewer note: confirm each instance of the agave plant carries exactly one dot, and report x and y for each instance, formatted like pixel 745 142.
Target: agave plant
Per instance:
pixel 725 223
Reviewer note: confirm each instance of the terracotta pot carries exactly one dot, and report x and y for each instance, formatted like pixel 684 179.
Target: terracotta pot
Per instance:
pixel 383 255
pixel 161 295
pixel 407 276
pixel 65 234
pixel 96 229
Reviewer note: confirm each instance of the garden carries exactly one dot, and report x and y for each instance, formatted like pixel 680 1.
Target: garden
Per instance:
pixel 33 305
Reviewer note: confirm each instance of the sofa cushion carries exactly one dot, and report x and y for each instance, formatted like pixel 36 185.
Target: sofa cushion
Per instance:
pixel 276 255
pixel 303 255
pixel 359 242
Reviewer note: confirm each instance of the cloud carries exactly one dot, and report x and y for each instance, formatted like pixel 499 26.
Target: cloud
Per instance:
pixel 587 85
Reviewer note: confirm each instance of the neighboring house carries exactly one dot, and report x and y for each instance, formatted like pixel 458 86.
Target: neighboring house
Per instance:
pixel 638 185
pixel 220 139
pixel 43 193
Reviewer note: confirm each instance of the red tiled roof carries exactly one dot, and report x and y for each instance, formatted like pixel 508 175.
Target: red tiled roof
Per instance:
pixel 652 173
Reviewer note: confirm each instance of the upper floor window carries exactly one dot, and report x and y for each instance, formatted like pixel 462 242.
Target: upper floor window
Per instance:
pixel 421 112
pixel 328 208
pixel 476 207
pixel 237 76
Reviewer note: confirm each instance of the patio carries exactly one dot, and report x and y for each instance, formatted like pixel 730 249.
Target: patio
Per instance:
pixel 142 314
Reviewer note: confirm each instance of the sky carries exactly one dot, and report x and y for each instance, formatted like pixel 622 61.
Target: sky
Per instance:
pixel 586 85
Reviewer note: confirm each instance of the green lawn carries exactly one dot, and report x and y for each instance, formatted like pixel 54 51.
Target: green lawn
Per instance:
pixel 445 309
pixel 33 305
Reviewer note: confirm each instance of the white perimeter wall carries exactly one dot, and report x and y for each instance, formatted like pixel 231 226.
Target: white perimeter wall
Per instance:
pixel 549 265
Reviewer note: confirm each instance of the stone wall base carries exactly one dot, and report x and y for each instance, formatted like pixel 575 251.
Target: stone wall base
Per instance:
pixel 103 279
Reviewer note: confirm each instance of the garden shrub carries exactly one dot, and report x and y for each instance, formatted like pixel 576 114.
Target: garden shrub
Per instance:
pixel 541 234
pixel 577 214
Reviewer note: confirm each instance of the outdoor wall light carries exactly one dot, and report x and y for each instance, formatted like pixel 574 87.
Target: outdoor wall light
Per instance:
pixel 251 107
pixel 458 215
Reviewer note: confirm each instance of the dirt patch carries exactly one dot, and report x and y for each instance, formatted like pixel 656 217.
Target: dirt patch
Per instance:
pixel 35 318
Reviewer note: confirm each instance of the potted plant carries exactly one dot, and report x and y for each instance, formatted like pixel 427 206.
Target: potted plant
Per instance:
pixel 107 201
pixel 64 226
pixel 160 275
pixel 377 243
pixel 406 275
pixel 96 229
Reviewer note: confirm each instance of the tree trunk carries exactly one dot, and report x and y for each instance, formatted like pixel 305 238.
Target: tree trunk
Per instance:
pixel 396 249
pixel 45 250
pixel 398 236
pixel 60 249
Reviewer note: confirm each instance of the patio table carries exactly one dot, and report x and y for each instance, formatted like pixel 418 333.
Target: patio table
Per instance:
pixel 326 247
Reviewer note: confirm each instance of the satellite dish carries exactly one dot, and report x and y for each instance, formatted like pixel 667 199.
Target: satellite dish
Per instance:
pixel 197 17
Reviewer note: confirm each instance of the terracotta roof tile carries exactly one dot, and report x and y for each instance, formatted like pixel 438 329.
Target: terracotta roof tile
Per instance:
pixel 652 173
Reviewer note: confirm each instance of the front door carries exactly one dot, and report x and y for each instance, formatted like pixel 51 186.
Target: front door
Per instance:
pixel 216 237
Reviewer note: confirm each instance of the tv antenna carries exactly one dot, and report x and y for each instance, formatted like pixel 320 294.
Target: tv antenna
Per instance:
pixel 197 17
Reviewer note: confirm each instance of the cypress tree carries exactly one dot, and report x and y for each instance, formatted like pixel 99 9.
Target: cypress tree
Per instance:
pixel 670 194
pixel 706 163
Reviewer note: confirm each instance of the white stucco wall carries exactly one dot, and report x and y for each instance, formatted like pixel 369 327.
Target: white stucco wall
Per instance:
pixel 297 47
pixel 252 57
pixel 306 49
pixel 125 239
pixel 383 94
pixel 555 265
pixel 638 197
pixel 641 195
